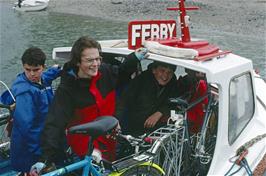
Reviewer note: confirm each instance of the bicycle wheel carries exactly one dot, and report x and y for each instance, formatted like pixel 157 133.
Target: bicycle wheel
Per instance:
pixel 168 149
pixel 142 170
pixel 205 141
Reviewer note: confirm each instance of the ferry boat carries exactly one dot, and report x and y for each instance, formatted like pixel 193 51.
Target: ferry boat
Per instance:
pixel 239 143
pixel 238 89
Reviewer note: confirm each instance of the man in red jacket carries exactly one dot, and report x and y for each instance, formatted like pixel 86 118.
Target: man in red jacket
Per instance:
pixel 86 91
pixel 194 86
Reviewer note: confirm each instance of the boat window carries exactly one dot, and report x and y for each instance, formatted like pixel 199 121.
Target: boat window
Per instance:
pixel 241 105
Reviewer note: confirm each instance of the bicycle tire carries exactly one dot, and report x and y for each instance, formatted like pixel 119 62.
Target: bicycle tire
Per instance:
pixel 142 170
pixel 202 164
pixel 168 150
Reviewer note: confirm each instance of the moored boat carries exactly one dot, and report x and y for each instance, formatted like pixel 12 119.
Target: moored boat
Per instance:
pixel 31 5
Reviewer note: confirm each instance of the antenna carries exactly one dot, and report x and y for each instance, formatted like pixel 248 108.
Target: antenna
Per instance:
pixel 205 50
pixel 184 19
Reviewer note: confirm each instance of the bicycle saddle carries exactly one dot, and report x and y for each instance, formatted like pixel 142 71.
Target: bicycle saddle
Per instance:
pixel 178 102
pixel 100 126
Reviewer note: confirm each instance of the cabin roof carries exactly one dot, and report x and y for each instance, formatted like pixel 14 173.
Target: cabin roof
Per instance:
pixel 216 69
pixel 226 66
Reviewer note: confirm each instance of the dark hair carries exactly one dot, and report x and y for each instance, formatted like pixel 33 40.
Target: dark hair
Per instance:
pixel 156 64
pixel 33 56
pixel 79 46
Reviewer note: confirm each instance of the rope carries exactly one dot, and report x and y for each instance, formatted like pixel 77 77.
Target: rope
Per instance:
pixel 249 144
pixel 227 173
pixel 244 163
pixel 241 153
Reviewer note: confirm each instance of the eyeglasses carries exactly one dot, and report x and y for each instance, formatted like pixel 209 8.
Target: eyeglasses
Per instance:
pixel 91 61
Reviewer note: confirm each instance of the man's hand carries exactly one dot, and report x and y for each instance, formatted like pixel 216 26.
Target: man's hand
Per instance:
pixel 56 66
pixel 152 120
pixel 41 168
pixel 37 168
pixel 141 53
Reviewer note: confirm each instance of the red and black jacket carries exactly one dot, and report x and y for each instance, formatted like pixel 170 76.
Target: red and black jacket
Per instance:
pixel 79 100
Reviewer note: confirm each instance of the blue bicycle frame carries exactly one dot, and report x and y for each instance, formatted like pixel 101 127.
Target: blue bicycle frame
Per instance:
pixel 94 129
pixel 84 164
pixel 98 127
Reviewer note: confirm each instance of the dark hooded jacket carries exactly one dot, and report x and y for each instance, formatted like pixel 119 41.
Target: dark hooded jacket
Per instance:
pixel 143 97
pixel 80 100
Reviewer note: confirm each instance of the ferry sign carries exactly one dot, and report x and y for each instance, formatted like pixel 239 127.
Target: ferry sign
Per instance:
pixel 139 31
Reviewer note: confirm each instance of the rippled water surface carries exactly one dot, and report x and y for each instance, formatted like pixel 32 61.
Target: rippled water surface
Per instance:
pixel 48 30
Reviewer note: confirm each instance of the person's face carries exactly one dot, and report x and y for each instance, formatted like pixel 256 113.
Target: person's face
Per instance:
pixel 33 73
pixel 89 63
pixel 163 75
pixel 194 75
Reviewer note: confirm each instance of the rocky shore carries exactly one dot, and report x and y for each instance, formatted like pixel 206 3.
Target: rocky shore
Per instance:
pixel 244 17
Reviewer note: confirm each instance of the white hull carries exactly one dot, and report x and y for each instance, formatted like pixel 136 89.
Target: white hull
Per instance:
pixel 31 6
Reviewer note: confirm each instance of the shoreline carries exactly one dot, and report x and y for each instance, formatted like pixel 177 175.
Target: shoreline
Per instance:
pixel 245 17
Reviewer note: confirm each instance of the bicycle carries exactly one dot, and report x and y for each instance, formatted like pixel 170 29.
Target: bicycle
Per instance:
pixel 196 150
pixel 4 140
pixel 165 144
pixel 92 164
pixel 174 149
pixel 205 140
pixel 168 144
pixel 5 125
pixel 172 145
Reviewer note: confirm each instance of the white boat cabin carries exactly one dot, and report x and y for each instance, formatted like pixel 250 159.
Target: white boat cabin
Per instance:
pixel 240 96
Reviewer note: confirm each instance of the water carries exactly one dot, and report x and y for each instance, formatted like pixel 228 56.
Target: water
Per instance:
pixel 251 47
pixel 48 30
pixel 45 30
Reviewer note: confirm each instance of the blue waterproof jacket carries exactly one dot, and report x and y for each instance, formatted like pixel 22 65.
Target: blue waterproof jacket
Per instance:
pixel 32 101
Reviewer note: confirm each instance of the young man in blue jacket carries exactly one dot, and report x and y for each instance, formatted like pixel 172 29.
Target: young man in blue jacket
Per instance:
pixel 33 93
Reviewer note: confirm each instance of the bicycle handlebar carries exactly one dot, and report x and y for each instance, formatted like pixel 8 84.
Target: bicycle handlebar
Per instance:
pixel 5 106
pixel 130 138
pixel 136 141
pixel 178 102
pixel 4 119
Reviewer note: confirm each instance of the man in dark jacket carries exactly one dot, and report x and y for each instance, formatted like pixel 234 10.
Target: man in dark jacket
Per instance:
pixel 86 91
pixel 144 104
